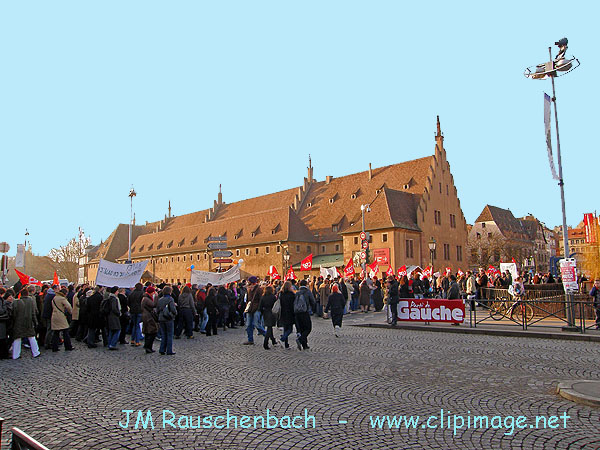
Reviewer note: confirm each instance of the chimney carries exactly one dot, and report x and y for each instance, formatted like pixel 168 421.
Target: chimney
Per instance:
pixel 220 197
pixel 370 172
pixel 328 179
pixel 310 170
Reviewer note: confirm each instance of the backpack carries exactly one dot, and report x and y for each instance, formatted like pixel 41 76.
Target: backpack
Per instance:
pixel 105 306
pixel 166 312
pixel 300 305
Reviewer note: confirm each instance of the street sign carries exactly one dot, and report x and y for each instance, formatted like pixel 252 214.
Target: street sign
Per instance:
pixel 365 244
pixel 217 239
pixel 4 247
pixel 217 245
pixel 363 255
pixel 222 254
pixel 222 260
pixel 363 235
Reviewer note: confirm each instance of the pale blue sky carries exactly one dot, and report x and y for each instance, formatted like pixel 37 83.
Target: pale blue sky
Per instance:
pixel 177 97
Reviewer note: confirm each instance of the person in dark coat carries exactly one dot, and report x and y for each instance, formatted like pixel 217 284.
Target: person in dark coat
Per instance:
pixel 125 315
pixel 393 299
pixel 336 303
pixel 5 314
pixel 82 329
pixel 302 317
pixel 166 314
pixel 47 317
pixel 365 296
pixel 210 304
pixel 149 319
pixel 134 301
pixel 265 306
pixel 286 314
pixel 223 307
pixel 24 319
pixel 186 313
pixel 377 296
pixel 113 318
pixel 95 319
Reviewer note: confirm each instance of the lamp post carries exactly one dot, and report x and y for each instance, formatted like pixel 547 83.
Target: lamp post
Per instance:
pixel 432 245
pixel 132 194
pixel 286 259
pixel 25 249
pixel 558 66
pixel 363 210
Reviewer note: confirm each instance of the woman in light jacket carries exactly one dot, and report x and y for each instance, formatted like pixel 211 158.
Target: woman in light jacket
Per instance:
pixel 59 323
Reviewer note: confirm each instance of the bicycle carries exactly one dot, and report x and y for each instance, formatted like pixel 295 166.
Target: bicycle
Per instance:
pixel 518 310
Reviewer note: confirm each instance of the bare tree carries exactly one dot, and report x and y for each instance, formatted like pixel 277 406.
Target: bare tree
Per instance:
pixel 487 250
pixel 66 257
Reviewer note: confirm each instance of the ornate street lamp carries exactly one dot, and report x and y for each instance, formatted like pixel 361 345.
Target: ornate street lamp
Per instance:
pixel 432 245
pixel 560 65
pixel 132 194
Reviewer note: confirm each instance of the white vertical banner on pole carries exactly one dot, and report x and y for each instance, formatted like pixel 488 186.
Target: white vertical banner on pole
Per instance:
pixel 547 110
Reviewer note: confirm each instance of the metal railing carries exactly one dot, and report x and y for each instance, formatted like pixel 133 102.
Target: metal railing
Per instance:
pixel 539 308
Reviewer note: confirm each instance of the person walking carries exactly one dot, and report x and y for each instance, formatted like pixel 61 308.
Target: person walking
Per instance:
pixel 6 304
pixel 265 306
pixel 223 307
pixel 59 322
pixel 113 321
pixel 595 294
pixel 134 301
pixel 95 318
pixel 187 312
pixel 286 314
pixel 393 297
pixel 364 296
pixel 47 317
pixel 149 319
pixel 324 291
pixel 336 303
pixel 303 302
pixel 125 317
pixel 167 312
pixel 24 316
pixel 253 316
pixel 212 311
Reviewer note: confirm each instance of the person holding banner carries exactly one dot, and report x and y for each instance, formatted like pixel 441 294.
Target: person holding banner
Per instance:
pixel 113 318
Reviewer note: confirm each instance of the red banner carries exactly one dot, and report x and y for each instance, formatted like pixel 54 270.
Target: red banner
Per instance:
pixel 431 310
pixel 374 268
pixel 26 279
pixel 428 272
pixel 390 272
pixel 55 281
pixel 290 275
pixel 589 224
pixel 349 269
pixel 306 263
pixel 402 271
pixel 274 274
pixel 382 256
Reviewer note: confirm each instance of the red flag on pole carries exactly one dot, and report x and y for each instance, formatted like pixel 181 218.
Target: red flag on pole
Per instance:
pixel 513 260
pixel 349 269
pixel 402 271
pixel 460 273
pixel 290 275
pixel 306 263
pixel 390 272
pixel 374 268
pixel 55 281
pixel 448 270
pixel 26 279
pixel 274 274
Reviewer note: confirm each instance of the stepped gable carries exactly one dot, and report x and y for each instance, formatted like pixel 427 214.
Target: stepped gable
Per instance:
pixel 326 203
pixel 244 230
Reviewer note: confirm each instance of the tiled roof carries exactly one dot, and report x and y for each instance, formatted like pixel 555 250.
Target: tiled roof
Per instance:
pixel 342 197
pixel 249 229
pixel 118 241
pixel 507 223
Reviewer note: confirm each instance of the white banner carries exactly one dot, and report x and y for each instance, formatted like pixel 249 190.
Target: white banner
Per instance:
pixel 324 272
pixel 547 109
pixel 216 279
pixel 568 272
pixel 511 267
pixel 121 275
pixel 20 259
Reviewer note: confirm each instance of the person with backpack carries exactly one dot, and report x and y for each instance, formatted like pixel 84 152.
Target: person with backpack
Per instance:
pixel 253 316
pixel 286 313
pixel 303 303
pixel 166 316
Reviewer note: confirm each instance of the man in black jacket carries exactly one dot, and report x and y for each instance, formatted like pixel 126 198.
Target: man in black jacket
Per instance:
pixel 393 298
pixel 303 303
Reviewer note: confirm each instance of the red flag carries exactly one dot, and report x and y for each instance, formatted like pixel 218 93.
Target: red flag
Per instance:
pixel 390 272
pixel 290 275
pixel 340 274
pixel 374 268
pixel 274 274
pixel 428 272
pixel 55 281
pixel 349 269
pixel 448 270
pixel 460 273
pixel 513 260
pixel 26 279
pixel 402 271
pixel 306 263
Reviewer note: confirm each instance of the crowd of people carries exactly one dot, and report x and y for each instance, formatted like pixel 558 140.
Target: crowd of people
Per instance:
pixel 53 316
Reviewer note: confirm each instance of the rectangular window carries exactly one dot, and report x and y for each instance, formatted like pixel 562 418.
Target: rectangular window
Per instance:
pixel 297 249
pixel 334 228
pixel 489 235
pixel 409 248
pixel 308 248
pixel 447 191
pixel 437 216
pixel 483 225
pixel 440 188
pixel 452 221
pixel 237 252
pixel 267 250
pixel 384 237
pixel 478 235
pixel 247 251
pixel 278 249
pixel 256 251
pixel 183 258
pixel 337 247
pixel 459 253
pixel 198 257
pixel 446 251
pixel 355 240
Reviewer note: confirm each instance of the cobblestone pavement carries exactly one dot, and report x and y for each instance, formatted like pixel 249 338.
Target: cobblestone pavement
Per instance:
pixel 74 400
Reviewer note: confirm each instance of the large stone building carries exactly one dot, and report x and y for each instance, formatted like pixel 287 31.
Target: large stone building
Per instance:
pixel 410 203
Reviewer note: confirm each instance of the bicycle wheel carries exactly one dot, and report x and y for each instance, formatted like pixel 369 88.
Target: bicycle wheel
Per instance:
pixel 498 309
pixel 525 308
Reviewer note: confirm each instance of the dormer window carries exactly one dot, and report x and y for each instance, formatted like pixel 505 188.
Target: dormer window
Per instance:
pixel 406 186
pixel 331 200
pixel 377 191
pixel 141 248
pixel 180 243
pixel 132 249
pixel 309 204
pixel 159 246
pixel 353 197
pixel 255 232
pixel 335 228
pixel 238 234
pixel 170 244
pixel 276 229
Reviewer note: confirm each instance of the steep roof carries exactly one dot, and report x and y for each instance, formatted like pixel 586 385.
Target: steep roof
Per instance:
pixel 248 229
pixel 338 202
pixel 507 223
pixel 390 209
pixel 118 241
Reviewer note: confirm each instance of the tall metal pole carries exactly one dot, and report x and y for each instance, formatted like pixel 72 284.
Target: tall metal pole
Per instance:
pixel 130 223
pixel 364 264
pixel 561 183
